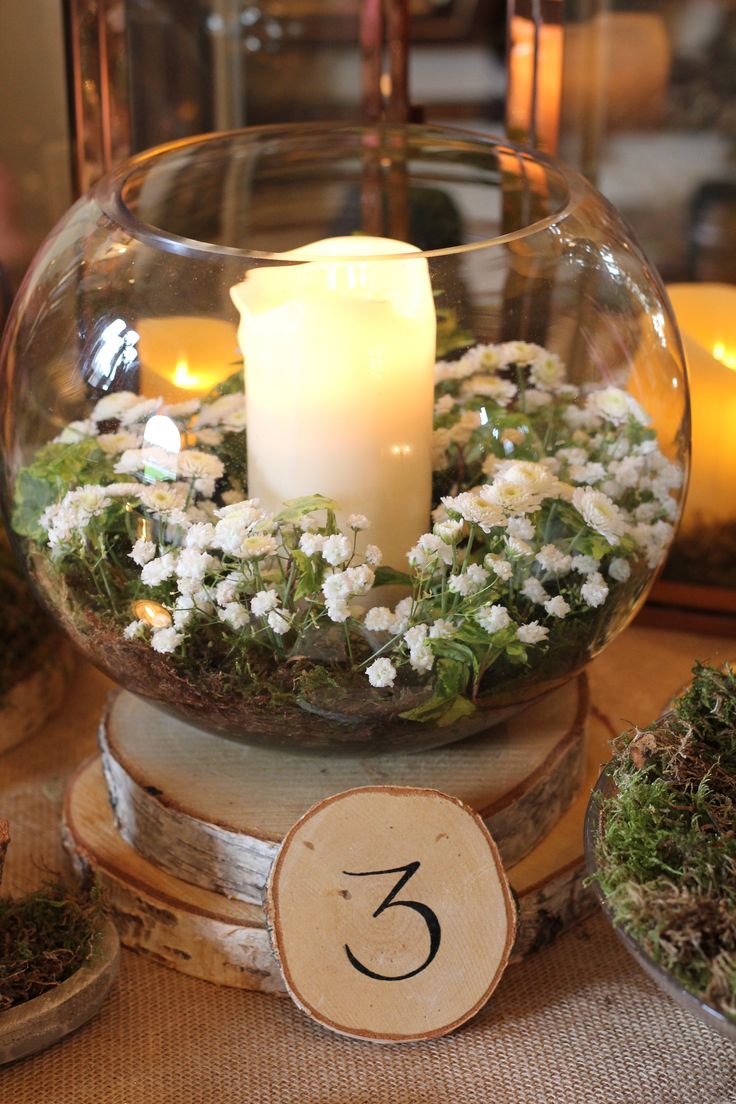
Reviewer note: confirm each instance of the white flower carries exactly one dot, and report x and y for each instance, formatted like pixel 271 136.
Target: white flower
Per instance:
pixel 594 590
pixel 193 564
pixel 143 551
pixel 114 406
pixel 379 619
pixel 166 640
pixel 312 543
pixel 557 606
pixel 255 548
pixel 381 673
pixel 135 630
pixel 470 582
pixel 156 571
pixel 227 589
pixel 263 602
pixel 462 430
pixel 421 658
pixel 493 387
pixel 200 536
pixel 521 352
pixel 358 521
pixel 402 613
pixel 653 540
pixel 499 566
pixel 225 409
pixel 140 412
pixel 162 498
pixel 532 633
pixel 234 614
pixel 591 472
pixel 615 405
pixel 210 437
pixel 535 400
pixel 521 528
pixel 76 431
pixel 440 444
pixel 552 559
pixel 600 513
pixel 444 405
pixel 474 506
pixel 577 418
pixel 547 371
pixel 338 610
pixel 373 555
pixel 336 549
pixel 584 565
pixel 309 523
pixel 279 621
pixel 619 569
pixel 534 591
pixel 181 409
pixel 486 358
pixel 493 618
pixel 449 531
pixel 521 486
pixel 441 629
pixel 428 550
pixel 193 464
pixel 113 443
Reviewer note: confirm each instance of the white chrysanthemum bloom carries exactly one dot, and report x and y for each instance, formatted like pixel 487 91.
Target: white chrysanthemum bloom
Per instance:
pixel 499 566
pixel 521 486
pixel 534 400
pixel 616 406
pixel 337 549
pixel 141 412
pixel 136 630
pixel 379 619
pixel 114 406
pixel 591 472
pixel 76 431
pixel 429 551
pixel 594 590
pixel 533 633
pixel 501 391
pixel 143 551
pixel 166 640
pixel 235 615
pixel 557 606
pixel 183 409
pixel 123 490
pixel 373 555
pixel 358 522
pixel 245 509
pixel 279 621
pixel 518 547
pixel 256 548
pixel 534 591
pixel 209 437
pixel 263 602
pixel 482 358
pixel 442 371
pixel 200 536
pixel 193 463
pixel 402 613
pixel 236 421
pixel 114 443
pixel 449 531
pixel 131 461
pixel 493 618
pixel 584 565
pixel 224 409
pixel 312 543
pixel 440 444
pixel 444 405
pixel 600 513
pixel 474 506
pixel 552 559
pixel 580 418
pixel 156 571
pixel 547 371
pixel 470 582
pixel 441 629
pixel 381 673
pixel 521 352
pixel 619 569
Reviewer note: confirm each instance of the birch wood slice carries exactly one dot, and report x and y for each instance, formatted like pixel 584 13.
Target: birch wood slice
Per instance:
pixel 28 703
pixel 214 812
pixel 179 925
pixel 43 1021
pixel 390 913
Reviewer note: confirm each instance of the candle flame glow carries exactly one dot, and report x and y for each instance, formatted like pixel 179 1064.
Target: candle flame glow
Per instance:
pixel 183 377
pixel 725 355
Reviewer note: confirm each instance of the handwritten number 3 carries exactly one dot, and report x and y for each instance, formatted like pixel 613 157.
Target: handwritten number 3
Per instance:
pixel 429 917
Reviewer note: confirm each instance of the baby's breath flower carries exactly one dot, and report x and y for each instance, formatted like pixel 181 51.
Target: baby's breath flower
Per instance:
pixel 594 590
pixel 336 549
pixel 136 630
pixel 619 569
pixel 534 591
pixel 493 618
pixel 441 628
pixel 557 606
pixel 373 555
pixel 166 640
pixel 200 536
pixel 499 566
pixel 379 619
pixel 584 565
pixel 358 522
pixel 312 543
pixel 429 551
pixel 279 621
pixel 552 559
pixel 533 633
pixel 235 615
pixel 263 602
pixel 143 551
pixel 470 582
pixel 381 673
pixel 158 570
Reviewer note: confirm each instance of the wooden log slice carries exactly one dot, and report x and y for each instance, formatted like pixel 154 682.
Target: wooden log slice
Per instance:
pixel 28 703
pixel 214 812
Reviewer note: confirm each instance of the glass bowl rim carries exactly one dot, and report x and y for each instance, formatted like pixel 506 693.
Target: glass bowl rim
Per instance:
pixel 109 190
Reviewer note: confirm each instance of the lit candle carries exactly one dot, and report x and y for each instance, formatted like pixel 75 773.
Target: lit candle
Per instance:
pixel 339 360
pixel 533 118
pixel 706 315
pixel 183 357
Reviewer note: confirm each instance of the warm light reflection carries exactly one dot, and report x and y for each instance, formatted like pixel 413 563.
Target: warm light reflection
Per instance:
pixel 724 354
pixel 152 613
pixel 161 448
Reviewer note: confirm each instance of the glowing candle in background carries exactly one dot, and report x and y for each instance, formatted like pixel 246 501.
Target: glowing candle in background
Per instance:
pixel 339 357
pixel 706 316
pixel 533 115
pixel 183 357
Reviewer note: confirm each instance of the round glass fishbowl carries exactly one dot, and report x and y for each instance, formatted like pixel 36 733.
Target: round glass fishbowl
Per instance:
pixel 342 437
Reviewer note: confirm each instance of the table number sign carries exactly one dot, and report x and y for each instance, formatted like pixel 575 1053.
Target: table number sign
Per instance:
pixel 390 913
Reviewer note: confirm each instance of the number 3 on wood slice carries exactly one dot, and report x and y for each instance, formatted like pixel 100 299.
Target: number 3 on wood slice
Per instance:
pixel 390 913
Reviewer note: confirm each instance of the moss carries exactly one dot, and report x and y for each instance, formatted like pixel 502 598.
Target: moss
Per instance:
pixel 667 851
pixel 44 939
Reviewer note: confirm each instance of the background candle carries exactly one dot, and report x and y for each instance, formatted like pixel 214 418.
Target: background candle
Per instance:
pixel 339 360
pixel 182 357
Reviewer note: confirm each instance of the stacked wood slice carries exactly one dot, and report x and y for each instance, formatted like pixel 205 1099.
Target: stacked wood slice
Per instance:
pixel 182 827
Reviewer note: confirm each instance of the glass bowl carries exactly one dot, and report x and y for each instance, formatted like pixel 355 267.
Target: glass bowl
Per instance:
pixel 606 788
pixel 450 479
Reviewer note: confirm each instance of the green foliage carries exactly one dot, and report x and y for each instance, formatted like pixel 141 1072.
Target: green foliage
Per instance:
pixel 297 508
pixel 55 469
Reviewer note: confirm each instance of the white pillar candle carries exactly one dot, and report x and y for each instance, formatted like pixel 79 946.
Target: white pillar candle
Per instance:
pixel 339 367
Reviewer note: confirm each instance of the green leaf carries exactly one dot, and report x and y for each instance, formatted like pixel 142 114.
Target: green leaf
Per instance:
pixel 230 386
pixel 296 508
pixel 56 469
pixel 310 575
pixel 452 678
pixel 458 708
pixel 389 576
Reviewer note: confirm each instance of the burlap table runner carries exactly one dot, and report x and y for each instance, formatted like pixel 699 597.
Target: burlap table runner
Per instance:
pixel 578 1023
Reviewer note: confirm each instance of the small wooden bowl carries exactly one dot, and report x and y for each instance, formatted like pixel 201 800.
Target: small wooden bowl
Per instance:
pixel 40 1022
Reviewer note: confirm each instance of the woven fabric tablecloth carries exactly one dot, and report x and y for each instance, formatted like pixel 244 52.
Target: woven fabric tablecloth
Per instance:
pixel 578 1023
